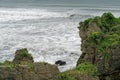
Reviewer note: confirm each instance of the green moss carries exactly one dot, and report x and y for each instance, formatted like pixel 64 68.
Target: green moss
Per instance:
pixel 23 54
pixel 105 22
pixel 64 76
pixel 81 71
pixel 108 38
pixel 26 64
pixel 7 64
pixel 70 75
pixel 86 23
pixel 87 68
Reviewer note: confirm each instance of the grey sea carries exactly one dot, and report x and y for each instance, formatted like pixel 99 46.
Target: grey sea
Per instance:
pixel 48 28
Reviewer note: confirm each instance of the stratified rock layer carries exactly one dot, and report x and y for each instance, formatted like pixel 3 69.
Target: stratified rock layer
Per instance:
pixel 101 45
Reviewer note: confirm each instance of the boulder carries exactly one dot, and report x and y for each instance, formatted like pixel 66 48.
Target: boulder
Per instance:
pixel 60 62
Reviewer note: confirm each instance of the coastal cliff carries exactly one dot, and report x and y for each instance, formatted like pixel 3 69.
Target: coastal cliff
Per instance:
pixel 101 45
pixel 24 68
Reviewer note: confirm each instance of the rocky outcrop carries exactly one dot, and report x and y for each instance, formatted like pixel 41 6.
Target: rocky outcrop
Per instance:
pixel 101 45
pixel 22 56
pixel 24 68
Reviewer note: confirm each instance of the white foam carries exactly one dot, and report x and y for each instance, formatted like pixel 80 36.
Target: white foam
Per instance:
pixel 48 35
pixel 12 14
pixel 47 41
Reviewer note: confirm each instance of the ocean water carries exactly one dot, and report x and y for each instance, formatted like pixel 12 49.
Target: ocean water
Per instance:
pixel 48 30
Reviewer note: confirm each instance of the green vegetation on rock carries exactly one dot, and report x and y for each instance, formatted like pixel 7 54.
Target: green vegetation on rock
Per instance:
pixel 22 57
pixel 23 53
pixel 65 76
pixel 7 64
pixel 84 71
pixel 101 45
pixel 87 68
pixel 24 68
pixel 108 37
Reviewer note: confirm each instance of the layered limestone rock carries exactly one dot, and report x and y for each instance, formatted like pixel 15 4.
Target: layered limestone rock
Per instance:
pixel 101 45
pixel 24 68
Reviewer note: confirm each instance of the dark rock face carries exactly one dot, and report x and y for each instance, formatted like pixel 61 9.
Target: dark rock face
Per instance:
pixel 60 62
pixel 23 68
pixel 101 50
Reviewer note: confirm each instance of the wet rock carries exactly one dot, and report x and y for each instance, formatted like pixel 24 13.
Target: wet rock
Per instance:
pixel 60 62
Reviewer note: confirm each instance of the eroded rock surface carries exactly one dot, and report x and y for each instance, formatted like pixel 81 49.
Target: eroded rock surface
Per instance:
pixel 24 68
pixel 101 45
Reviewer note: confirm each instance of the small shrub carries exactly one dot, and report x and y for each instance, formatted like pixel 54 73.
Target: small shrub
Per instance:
pixel 86 23
pixel 7 64
pixel 86 68
pixel 21 54
pixel 1 63
pixel 64 76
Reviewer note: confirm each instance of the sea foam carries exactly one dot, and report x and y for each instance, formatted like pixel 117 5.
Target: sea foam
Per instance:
pixel 48 34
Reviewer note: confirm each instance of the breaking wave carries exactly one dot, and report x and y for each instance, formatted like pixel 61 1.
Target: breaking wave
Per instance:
pixel 49 35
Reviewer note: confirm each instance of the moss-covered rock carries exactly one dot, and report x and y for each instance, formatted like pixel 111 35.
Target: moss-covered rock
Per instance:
pixel 22 56
pixel 85 71
pixel 23 68
pixel 101 45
